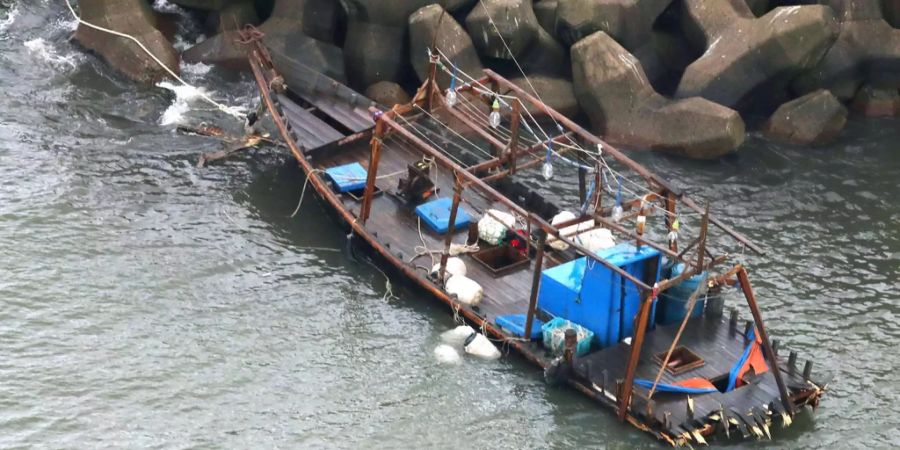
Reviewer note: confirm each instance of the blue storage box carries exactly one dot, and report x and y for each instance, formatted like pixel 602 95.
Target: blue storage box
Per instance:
pixel 673 302
pixel 557 346
pixel 590 294
pixel 348 178
pixel 515 324
pixel 436 214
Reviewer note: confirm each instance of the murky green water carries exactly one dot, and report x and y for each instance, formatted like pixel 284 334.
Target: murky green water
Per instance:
pixel 146 303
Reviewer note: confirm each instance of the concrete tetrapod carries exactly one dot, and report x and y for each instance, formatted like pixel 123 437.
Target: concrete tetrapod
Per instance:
pixel 432 24
pixel 867 51
pixel 745 55
pixel 613 90
pixel 514 19
pixel 133 17
pixel 295 30
pixel 815 118
pixel 629 22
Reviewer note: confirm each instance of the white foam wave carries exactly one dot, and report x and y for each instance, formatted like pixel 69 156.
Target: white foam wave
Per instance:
pixel 165 6
pixel 45 51
pixel 68 24
pixel 184 97
pixel 10 18
pixel 195 69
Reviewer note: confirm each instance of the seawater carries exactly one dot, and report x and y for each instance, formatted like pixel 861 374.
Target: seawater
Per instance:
pixel 148 303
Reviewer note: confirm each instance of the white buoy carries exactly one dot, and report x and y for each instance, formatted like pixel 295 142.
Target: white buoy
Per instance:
pixel 466 290
pixel 482 347
pixel 457 336
pixel 446 354
pixel 455 266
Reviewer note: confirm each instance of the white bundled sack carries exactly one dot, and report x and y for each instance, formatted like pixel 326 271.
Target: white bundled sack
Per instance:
pixel 482 347
pixel 493 225
pixel 446 354
pixel 455 266
pixel 594 240
pixel 467 290
pixel 457 336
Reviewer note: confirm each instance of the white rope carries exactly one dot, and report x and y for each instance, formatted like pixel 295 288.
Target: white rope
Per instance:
pixel 221 107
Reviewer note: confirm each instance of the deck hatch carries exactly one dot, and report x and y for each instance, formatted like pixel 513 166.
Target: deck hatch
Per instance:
pixel 682 360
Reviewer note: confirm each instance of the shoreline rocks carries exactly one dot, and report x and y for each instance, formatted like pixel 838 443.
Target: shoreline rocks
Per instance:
pixel 617 96
pixel 743 53
pixel 677 78
pixel 814 119
pixel 137 19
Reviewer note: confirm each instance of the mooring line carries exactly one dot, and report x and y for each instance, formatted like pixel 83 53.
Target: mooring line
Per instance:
pixel 221 107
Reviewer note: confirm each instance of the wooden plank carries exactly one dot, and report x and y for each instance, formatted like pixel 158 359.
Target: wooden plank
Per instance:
pixel 308 127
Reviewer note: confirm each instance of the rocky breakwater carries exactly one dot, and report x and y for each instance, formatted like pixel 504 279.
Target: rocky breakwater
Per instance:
pixel 681 76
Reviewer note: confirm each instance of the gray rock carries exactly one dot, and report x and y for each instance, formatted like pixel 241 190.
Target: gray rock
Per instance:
pixel 387 93
pixel 291 31
pixel 545 56
pixel 872 101
pixel 232 16
pixel 374 53
pixel 394 12
pixel 892 12
pixel 557 93
pixel 744 53
pixel 432 25
pixel 867 51
pixel 629 22
pixel 207 5
pixel 815 118
pixel 613 90
pixel 135 17
pixel 513 19
pixel 376 47
pixel 545 11
pixel 318 18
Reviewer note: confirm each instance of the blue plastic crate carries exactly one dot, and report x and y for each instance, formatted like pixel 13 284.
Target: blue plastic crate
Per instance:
pixel 594 296
pixel 436 214
pixel 515 324
pixel 583 345
pixel 348 178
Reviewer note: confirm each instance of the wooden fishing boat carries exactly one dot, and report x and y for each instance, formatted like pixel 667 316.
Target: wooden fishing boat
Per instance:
pixel 417 182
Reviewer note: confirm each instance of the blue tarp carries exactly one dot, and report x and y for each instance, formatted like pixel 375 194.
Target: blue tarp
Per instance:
pixel 662 387
pixel 736 368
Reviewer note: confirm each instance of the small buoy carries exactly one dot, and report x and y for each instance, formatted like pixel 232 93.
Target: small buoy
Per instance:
pixel 457 336
pixel 481 347
pixel 455 266
pixel 466 290
pixel 446 354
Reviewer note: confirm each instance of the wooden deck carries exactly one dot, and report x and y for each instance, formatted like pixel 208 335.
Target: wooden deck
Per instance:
pixel 323 132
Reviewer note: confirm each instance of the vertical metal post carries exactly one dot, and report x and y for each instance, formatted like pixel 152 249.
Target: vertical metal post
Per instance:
pixel 451 226
pixel 535 282
pixel 764 336
pixel 372 173
pixel 701 248
pixel 514 139
pixel 671 204
pixel 571 340
pixel 432 83
pixel 636 343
